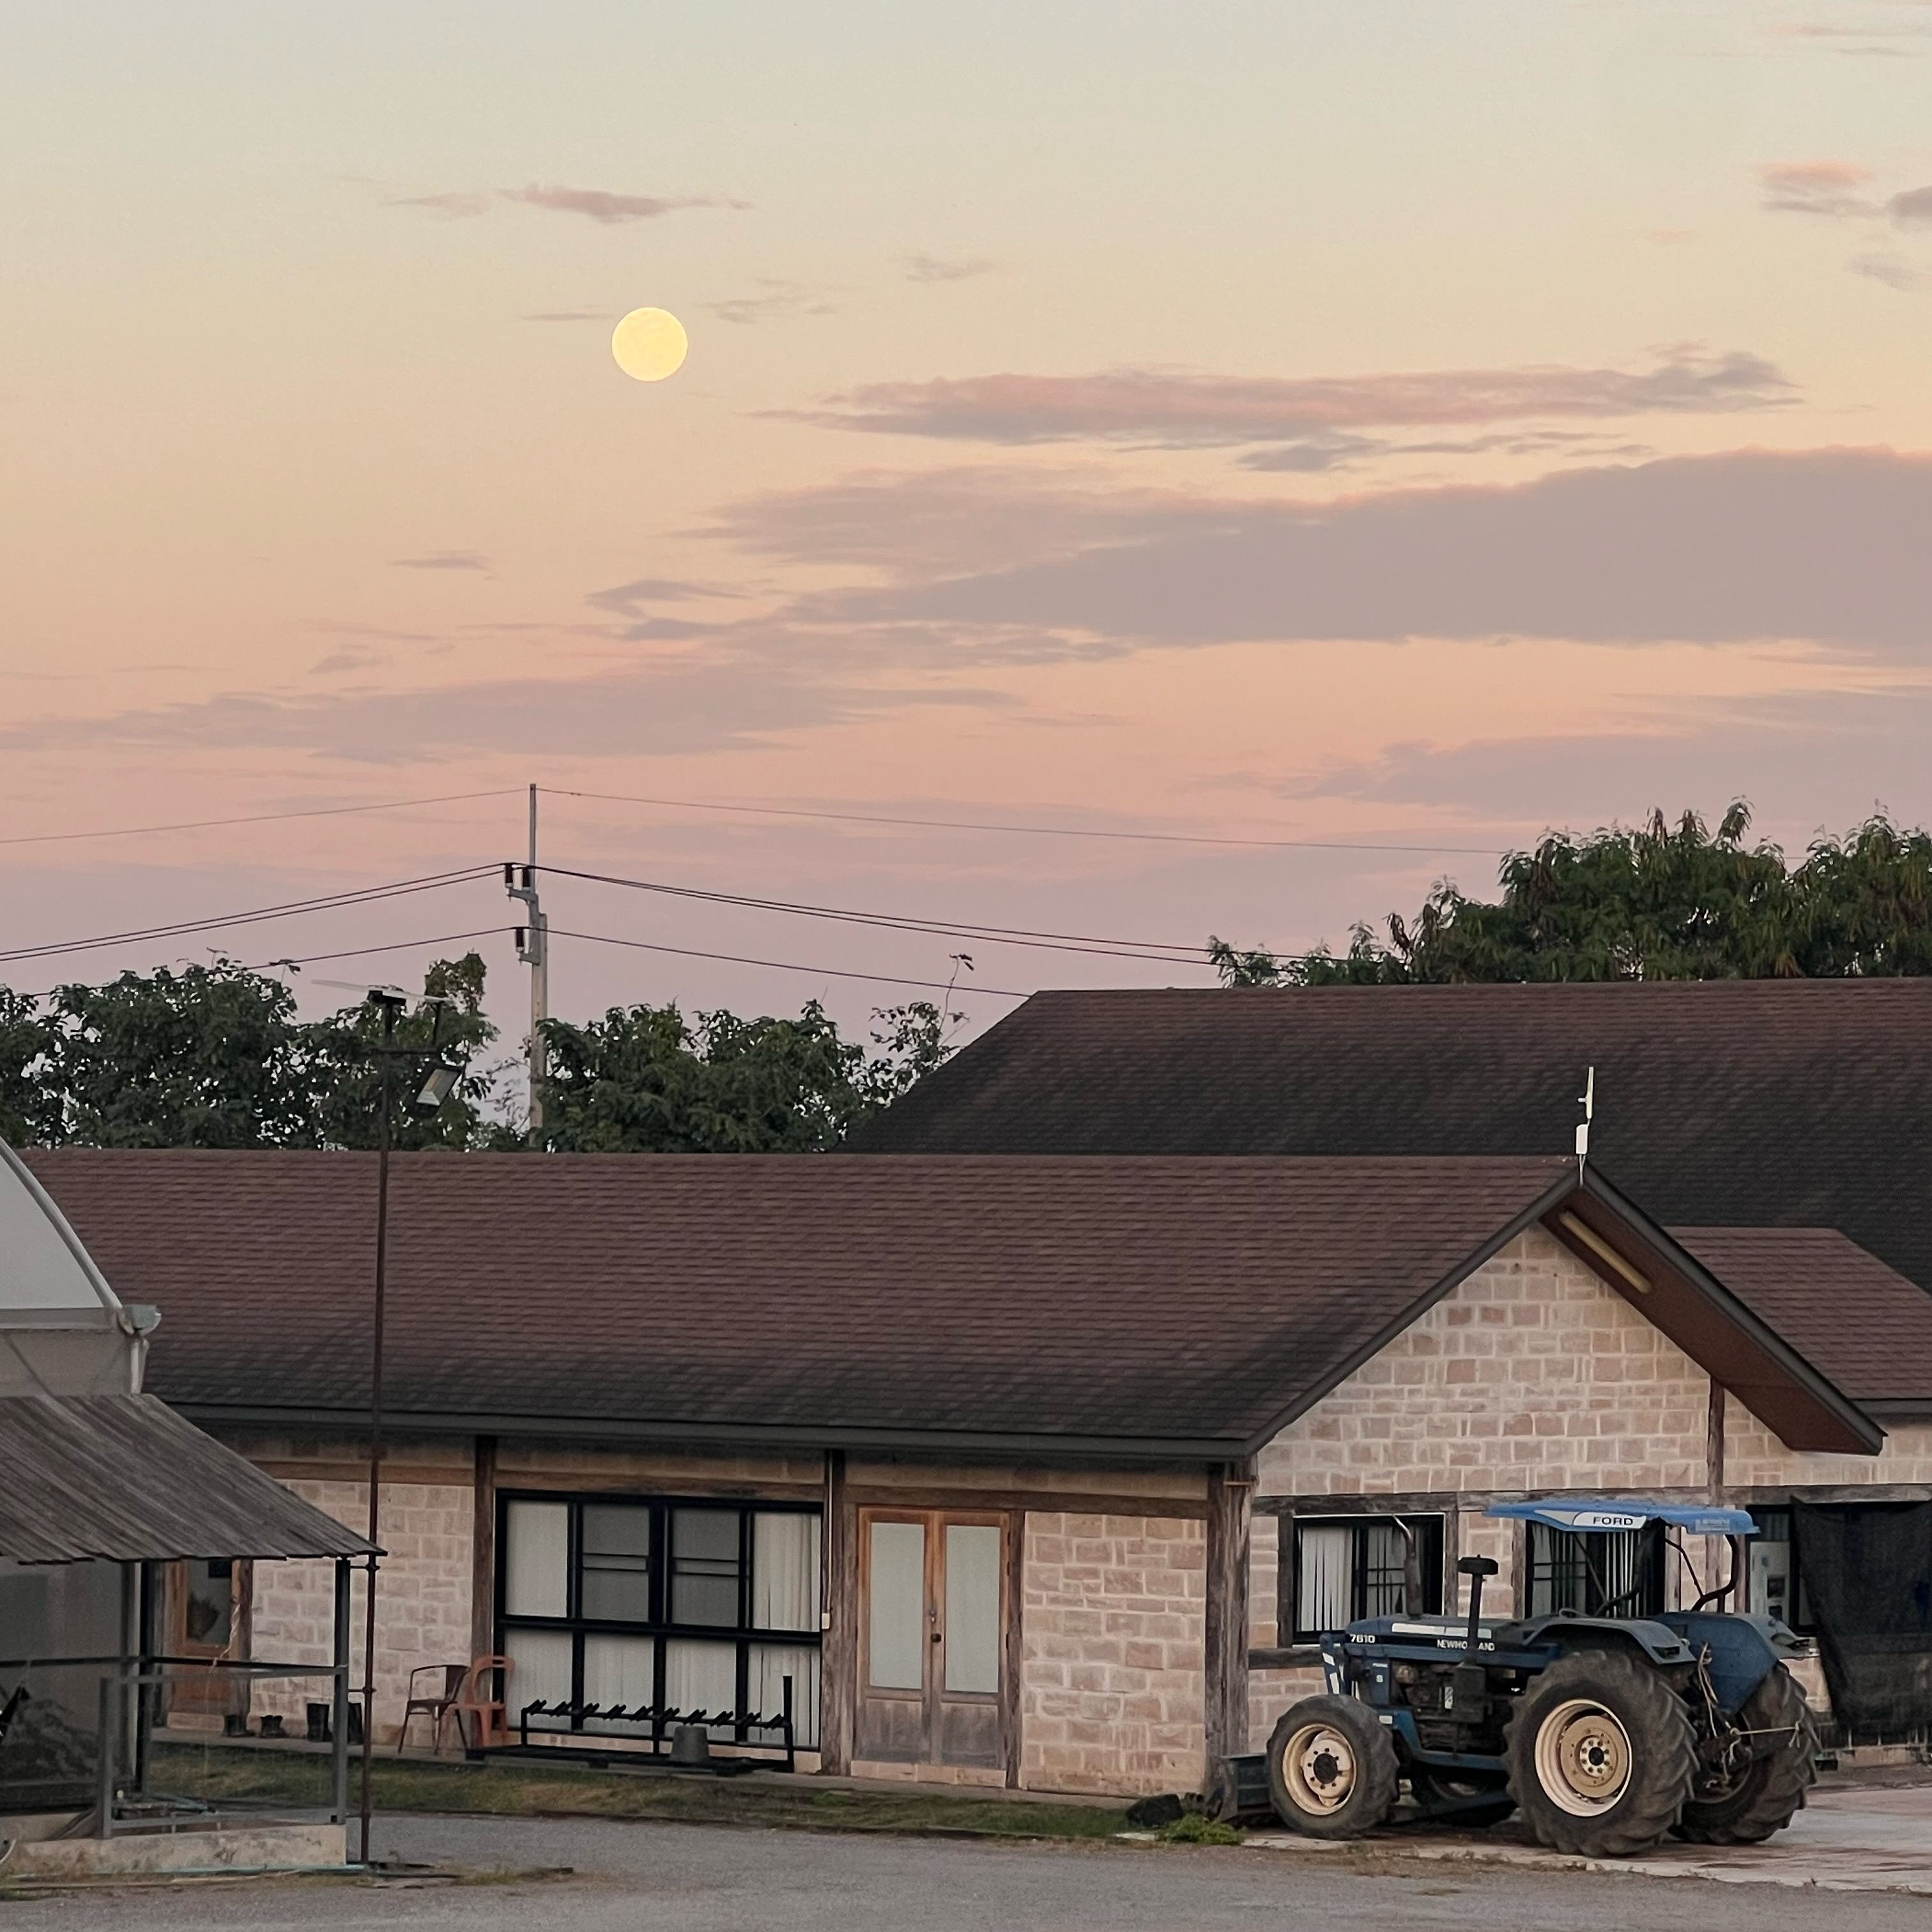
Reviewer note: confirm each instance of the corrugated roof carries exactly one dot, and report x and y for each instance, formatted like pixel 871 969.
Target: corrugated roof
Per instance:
pixel 1041 1301
pixel 1720 1104
pixel 123 1478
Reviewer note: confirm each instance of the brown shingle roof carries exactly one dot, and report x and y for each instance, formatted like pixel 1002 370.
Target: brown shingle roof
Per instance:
pixel 1733 1103
pixel 1152 1301
pixel 1843 1310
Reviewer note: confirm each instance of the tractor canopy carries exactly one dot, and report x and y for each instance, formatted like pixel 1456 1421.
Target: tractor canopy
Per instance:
pixel 1601 1513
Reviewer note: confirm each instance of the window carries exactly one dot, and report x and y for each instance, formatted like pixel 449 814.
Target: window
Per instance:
pixel 638 1601
pixel 1596 1573
pixel 1776 1587
pixel 1348 1567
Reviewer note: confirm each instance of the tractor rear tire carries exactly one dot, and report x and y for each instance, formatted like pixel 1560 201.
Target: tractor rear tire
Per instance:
pixel 1332 1768
pixel 1600 1755
pixel 1768 1793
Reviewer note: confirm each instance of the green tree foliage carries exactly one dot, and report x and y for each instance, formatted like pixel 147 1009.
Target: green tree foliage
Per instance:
pixel 645 1079
pixel 24 1108
pixel 1656 902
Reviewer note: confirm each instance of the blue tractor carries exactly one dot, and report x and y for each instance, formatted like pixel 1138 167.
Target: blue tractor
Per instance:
pixel 1608 1732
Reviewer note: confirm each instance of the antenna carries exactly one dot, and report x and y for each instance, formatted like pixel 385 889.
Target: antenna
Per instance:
pixel 1587 1100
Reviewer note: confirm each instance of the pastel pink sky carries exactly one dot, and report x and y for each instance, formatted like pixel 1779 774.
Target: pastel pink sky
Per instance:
pixel 1378 426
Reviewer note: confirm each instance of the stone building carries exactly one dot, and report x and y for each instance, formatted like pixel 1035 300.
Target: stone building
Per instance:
pixel 1037 1469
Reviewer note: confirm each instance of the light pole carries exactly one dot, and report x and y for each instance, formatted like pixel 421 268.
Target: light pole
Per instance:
pixel 438 1084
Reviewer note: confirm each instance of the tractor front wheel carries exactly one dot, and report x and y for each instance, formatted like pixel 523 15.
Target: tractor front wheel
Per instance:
pixel 1332 1768
pixel 1600 1755
pixel 1763 1795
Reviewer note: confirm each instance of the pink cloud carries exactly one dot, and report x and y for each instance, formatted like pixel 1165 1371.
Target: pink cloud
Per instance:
pixel 600 206
pixel 1815 187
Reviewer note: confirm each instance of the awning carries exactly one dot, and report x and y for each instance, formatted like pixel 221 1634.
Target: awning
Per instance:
pixel 124 1479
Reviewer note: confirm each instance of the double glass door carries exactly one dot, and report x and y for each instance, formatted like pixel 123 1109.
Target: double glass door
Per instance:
pixel 932 1638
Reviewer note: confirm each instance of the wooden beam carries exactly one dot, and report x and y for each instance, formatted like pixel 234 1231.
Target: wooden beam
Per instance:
pixel 1072 1502
pixel 1015 1644
pixel 1230 1492
pixel 838 1665
pixel 483 1549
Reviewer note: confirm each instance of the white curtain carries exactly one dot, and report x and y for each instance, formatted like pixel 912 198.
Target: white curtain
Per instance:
pixel 701 1676
pixel 785 1571
pixel 619 1670
pixel 972 1607
pixel 771 1663
pixel 540 1673
pixel 895 1627
pixel 536 1559
pixel 1325 1594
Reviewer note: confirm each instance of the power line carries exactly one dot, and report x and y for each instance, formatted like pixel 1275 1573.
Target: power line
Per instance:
pixel 326 902
pixel 254 818
pixel 791 966
pixel 1041 831
pixel 1171 952
pixel 397 946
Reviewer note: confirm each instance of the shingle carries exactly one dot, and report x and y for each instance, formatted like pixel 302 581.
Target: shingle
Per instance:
pixel 1146 1299
pixel 1746 1102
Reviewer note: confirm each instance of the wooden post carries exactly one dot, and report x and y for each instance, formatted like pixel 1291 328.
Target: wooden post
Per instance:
pixel 838 1664
pixel 1015 1638
pixel 483 1551
pixel 1230 1498
pixel 1717 1550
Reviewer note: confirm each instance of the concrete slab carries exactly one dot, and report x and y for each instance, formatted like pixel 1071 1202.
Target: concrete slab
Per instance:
pixel 248 1848
pixel 1844 1841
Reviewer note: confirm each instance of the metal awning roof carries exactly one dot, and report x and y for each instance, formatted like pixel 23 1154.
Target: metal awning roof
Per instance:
pixel 123 1478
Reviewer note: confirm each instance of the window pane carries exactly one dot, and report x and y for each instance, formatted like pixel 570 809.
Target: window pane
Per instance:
pixel 210 1610
pixel 785 1571
pixel 540 1673
pixel 771 1663
pixel 704 1567
pixel 972 1607
pixel 1325 1558
pixel 701 1676
pixel 617 1561
pixel 1385 1588
pixel 896 1592
pixel 536 1559
pixel 619 1670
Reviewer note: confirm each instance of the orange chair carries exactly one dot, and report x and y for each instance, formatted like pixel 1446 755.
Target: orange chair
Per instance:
pixel 482 1699
pixel 437 1706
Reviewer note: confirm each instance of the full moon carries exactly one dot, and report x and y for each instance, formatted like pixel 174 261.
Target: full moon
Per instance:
pixel 649 344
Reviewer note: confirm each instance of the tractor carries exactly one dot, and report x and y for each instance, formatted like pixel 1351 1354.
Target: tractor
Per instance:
pixel 1608 1732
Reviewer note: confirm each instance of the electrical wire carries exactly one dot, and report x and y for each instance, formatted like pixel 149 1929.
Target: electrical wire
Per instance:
pixel 1040 831
pixel 788 965
pixel 326 902
pixel 397 946
pixel 1170 953
pixel 256 817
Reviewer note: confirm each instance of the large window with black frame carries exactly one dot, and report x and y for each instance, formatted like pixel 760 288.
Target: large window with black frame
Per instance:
pixel 1344 1568
pixel 1596 1573
pixel 659 1603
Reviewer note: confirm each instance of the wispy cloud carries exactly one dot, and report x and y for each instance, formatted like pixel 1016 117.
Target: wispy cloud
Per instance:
pixel 778 298
pixel 1912 209
pixel 442 559
pixel 1180 409
pixel 570 315
pixel 453 207
pixel 949 268
pixel 1827 188
pixel 628 600
pixel 601 205
pixel 1894 271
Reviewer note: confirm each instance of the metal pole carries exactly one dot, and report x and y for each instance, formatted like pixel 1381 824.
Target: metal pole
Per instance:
pixel 389 1006
pixel 338 1694
pixel 539 959
pixel 103 1797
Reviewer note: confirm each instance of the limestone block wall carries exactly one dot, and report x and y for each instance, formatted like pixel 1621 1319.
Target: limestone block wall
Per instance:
pixel 1755 1459
pixel 1112 1695
pixel 422 1603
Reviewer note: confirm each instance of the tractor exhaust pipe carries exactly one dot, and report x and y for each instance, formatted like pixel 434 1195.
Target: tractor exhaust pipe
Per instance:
pixel 1475 1568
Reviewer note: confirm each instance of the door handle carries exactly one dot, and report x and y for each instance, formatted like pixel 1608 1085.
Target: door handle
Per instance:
pixel 935 1637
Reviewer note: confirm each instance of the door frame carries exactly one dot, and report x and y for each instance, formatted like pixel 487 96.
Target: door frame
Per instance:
pixel 1004 1701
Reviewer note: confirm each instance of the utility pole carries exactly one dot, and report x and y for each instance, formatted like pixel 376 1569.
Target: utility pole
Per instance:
pixel 533 949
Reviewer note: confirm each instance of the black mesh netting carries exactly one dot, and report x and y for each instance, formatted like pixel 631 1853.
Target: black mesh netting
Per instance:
pixel 1867 1571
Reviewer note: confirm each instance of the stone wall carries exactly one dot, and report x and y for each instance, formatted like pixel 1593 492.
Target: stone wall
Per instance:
pixel 1755 1459
pixel 1112 1694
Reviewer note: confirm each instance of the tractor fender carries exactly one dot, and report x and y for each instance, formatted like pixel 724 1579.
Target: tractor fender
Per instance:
pixel 1656 1642
pixel 1743 1650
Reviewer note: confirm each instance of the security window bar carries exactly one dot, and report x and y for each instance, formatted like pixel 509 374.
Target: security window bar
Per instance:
pixel 653 1604
pixel 1347 1568
pixel 1596 1573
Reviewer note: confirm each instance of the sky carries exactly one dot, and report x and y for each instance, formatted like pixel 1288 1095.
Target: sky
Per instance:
pixel 1378 433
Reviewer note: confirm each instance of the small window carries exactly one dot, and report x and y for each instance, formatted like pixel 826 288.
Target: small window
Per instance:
pixel 1349 1567
pixel 704 1567
pixel 1596 1572
pixel 1776 1587
pixel 616 1562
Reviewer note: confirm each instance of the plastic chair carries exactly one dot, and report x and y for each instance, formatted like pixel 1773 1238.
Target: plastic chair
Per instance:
pixel 481 1699
pixel 436 1708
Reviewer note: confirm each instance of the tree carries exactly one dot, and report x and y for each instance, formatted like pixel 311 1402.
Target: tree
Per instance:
pixel 1656 902
pixel 646 1080
pixel 24 1042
